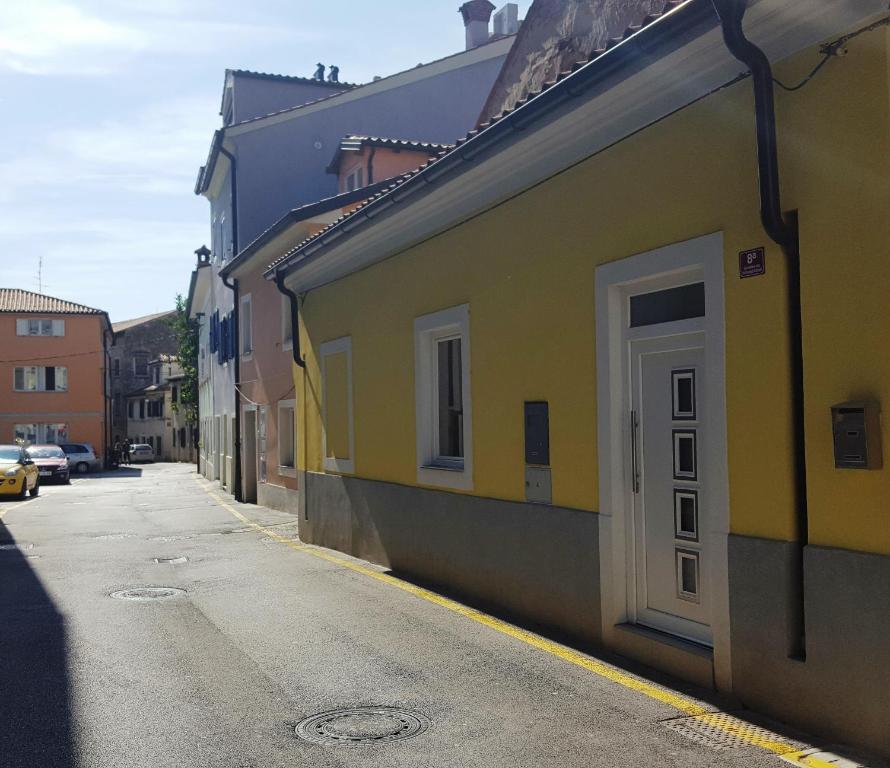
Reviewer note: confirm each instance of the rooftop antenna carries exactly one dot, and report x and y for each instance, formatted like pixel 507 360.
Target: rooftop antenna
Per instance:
pixel 40 274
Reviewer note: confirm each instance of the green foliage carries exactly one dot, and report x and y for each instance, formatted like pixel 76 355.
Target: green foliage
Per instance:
pixel 186 332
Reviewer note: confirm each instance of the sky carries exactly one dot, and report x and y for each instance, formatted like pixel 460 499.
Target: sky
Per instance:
pixel 107 109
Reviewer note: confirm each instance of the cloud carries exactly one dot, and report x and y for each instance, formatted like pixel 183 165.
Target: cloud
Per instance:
pixel 156 150
pixel 42 37
pixel 59 37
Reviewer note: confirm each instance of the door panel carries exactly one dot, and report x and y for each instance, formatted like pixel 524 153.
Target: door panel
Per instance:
pixel 670 503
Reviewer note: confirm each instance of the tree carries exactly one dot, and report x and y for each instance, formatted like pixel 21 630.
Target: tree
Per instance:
pixel 185 331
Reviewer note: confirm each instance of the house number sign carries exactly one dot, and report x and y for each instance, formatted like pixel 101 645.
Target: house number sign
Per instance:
pixel 752 263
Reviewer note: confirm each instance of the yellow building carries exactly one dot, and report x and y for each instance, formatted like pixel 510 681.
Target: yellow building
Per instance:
pixel 558 369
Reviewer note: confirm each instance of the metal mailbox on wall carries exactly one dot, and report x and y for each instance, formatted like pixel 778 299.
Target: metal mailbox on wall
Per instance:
pixel 537 452
pixel 856 428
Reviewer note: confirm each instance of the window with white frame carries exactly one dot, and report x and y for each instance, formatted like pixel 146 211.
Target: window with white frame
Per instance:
pixel 41 433
pixel 442 396
pixel 287 335
pixel 287 456
pixel 338 439
pixel 39 327
pixel 354 180
pixel 246 326
pixel 38 378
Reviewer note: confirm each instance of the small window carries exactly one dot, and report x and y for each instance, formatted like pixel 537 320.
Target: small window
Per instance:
pixel 140 364
pixel 685 455
pixel 40 379
pixel 39 327
pixel 337 435
pixel 442 378
pixel 685 514
pixel 286 437
pixel 246 320
pixel 449 424
pixel 669 305
pixel 683 387
pixel 687 575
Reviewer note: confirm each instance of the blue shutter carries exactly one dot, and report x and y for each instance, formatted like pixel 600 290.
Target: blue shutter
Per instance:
pixel 233 346
pixel 223 341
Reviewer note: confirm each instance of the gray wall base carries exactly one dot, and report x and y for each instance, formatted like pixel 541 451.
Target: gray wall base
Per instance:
pixel 537 562
pixel 277 497
pixel 842 690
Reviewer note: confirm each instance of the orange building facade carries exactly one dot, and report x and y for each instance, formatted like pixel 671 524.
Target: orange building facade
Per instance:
pixel 53 372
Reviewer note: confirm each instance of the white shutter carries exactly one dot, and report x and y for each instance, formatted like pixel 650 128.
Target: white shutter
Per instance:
pixel 21 327
pixel 61 379
pixel 58 327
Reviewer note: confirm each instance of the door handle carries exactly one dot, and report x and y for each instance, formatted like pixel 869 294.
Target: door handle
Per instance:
pixel 634 469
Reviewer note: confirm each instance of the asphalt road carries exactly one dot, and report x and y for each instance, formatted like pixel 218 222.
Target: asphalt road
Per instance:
pixel 263 636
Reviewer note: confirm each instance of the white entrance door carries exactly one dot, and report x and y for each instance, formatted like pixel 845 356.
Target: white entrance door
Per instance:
pixel 669 484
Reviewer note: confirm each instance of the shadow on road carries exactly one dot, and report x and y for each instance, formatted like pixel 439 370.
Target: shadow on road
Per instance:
pixel 111 474
pixel 35 711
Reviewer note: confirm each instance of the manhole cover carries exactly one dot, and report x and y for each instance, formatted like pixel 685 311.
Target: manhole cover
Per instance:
pixel 12 547
pixel 721 731
pixel 361 725
pixel 147 593
pixel 171 560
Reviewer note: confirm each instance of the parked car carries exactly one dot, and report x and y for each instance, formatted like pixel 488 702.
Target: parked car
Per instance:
pixel 81 457
pixel 141 452
pixel 18 473
pixel 52 463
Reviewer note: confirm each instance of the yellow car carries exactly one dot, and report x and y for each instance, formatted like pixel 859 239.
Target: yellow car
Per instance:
pixel 18 473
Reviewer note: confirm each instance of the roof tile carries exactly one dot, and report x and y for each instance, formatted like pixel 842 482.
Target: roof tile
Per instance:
pixel 25 302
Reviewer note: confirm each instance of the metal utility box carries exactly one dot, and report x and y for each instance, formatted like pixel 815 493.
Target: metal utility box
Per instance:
pixel 857 435
pixel 537 433
pixel 537 485
pixel 537 452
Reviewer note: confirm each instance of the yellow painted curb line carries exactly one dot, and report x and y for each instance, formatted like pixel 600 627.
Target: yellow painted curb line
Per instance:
pixel 688 706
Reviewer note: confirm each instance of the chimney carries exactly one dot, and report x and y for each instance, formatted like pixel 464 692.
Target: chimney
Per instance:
pixel 506 20
pixel 476 14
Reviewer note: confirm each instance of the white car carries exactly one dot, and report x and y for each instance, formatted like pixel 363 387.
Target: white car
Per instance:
pixel 81 457
pixel 141 452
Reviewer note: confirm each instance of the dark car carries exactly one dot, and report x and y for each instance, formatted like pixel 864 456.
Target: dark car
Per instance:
pixel 52 463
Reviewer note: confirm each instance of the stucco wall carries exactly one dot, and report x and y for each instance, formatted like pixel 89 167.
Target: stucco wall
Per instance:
pixel 80 350
pixel 526 269
pixel 280 167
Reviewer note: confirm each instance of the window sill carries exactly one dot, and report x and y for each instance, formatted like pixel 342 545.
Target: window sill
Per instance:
pixel 287 471
pixel 442 476
pixel 248 357
pixel 287 346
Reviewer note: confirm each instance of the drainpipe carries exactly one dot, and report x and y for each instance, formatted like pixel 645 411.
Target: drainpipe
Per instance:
pixel 784 234
pixel 294 319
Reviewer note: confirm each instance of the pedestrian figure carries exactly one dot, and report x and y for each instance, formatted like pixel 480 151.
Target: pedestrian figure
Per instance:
pixel 127 451
pixel 334 75
pixel 116 453
pixel 319 73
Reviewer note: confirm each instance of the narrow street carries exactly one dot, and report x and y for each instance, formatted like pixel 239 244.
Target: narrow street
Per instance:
pixel 267 632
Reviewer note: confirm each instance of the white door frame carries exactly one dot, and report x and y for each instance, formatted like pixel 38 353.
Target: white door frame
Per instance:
pixel 693 260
